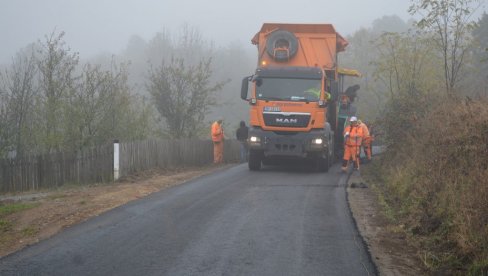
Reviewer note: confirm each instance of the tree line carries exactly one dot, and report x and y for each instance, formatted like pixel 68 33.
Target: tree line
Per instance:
pixel 51 101
pixel 444 51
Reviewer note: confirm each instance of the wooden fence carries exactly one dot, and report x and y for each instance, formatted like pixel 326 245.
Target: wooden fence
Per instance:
pixel 150 154
pixel 57 169
pixel 96 165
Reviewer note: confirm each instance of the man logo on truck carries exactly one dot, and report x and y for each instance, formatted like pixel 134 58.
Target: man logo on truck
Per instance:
pixel 286 121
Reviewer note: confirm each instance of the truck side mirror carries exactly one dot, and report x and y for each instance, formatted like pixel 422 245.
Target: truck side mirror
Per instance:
pixel 334 90
pixel 245 87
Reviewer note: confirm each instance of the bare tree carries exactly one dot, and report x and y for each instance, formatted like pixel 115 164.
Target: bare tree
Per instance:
pixel 19 90
pixel 407 66
pixel 183 94
pixel 102 108
pixel 90 104
pixel 480 56
pixel 405 63
pixel 449 22
pixel 56 67
pixel 5 126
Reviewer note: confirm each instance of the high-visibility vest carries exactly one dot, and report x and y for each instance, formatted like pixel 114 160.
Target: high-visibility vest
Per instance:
pixel 365 129
pixel 355 137
pixel 217 132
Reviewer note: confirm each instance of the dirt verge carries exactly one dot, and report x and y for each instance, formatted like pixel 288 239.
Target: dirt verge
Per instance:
pixel 387 243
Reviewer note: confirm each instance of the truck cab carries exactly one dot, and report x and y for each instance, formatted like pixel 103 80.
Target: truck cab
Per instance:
pixel 288 116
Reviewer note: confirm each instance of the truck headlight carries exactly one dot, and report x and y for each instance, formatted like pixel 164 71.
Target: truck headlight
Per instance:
pixel 317 141
pixel 254 139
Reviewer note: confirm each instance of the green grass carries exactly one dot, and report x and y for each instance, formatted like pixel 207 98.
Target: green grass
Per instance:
pixel 479 267
pixel 6 210
pixel 29 231
pixel 5 225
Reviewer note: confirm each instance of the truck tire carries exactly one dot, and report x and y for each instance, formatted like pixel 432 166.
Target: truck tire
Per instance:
pixel 321 163
pixel 282 37
pixel 328 163
pixel 331 150
pixel 254 162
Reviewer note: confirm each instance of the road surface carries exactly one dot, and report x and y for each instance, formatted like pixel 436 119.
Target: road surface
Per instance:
pixel 279 221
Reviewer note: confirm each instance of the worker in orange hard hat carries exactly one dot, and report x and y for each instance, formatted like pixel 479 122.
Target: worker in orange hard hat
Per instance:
pixel 353 136
pixel 367 139
pixel 217 133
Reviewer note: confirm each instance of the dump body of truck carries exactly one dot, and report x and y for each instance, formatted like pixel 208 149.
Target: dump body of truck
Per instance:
pixel 292 110
pixel 316 45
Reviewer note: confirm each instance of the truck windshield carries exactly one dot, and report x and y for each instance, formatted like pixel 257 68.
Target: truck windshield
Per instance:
pixel 281 89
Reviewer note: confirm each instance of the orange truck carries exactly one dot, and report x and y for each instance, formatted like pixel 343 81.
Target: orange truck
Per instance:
pixel 293 94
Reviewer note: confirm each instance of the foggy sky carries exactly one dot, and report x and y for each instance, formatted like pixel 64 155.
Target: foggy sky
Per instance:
pixel 96 26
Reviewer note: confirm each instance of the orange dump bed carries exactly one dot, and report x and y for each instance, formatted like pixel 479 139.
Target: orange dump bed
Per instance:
pixel 311 45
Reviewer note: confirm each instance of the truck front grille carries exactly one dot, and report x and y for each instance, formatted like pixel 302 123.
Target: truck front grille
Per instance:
pixel 286 119
pixel 285 147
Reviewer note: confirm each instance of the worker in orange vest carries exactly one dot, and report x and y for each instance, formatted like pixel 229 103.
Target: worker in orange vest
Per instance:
pixel 353 136
pixel 217 134
pixel 367 139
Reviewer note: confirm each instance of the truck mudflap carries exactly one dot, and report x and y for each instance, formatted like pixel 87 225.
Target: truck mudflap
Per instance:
pixel 290 144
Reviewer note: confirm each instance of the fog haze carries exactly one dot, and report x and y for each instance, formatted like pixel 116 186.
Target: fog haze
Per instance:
pixel 96 26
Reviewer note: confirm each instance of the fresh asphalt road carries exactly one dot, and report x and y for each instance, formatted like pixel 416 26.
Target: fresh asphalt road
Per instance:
pixel 279 221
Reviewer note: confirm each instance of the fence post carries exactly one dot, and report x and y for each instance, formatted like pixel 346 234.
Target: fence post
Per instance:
pixel 116 159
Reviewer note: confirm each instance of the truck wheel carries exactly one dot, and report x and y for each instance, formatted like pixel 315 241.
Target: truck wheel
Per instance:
pixel 330 158
pixel 254 160
pixel 327 163
pixel 331 151
pixel 280 39
pixel 322 164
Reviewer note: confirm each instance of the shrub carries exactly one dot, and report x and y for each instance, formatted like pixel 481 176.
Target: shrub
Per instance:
pixel 436 177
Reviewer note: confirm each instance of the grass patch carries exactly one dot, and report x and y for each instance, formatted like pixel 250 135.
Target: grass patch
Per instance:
pixel 479 267
pixel 6 210
pixel 388 211
pixel 372 173
pixel 56 196
pixel 5 225
pixel 29 231
pixel 434 181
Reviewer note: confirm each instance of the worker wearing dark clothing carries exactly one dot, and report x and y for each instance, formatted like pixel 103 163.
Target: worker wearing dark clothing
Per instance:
pixel 241 135
pixel 352 92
